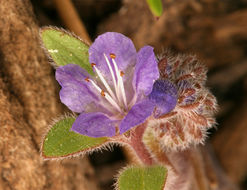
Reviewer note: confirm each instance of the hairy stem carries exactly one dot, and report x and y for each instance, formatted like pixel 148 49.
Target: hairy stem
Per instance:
pixel 135 149
pixel 138 146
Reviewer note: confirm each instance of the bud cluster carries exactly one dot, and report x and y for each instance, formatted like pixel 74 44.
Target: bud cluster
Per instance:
pixel 194 112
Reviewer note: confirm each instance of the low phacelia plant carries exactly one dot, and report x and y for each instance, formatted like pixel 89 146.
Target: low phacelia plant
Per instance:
pixel 153 106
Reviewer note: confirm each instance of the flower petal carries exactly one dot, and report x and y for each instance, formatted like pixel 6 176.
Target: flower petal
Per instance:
pixel 116 43
pixel 75 93
pixel 146 71
pixel 137 115
pixel 94 124
pixel 164 95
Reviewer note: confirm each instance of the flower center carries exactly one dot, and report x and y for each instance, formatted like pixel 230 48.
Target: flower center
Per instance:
pixel 116 97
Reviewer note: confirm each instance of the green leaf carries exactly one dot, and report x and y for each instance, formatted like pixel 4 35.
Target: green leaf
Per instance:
pixel 61 142
pixel 65 48
pixel 142 178
pixel 156 7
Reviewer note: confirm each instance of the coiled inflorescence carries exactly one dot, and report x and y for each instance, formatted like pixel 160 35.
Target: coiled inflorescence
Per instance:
pixel 193 115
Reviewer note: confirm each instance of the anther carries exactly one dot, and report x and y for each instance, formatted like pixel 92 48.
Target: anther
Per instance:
pixel 121 73
pixel 93 64
pixel 102 93
pixel 112 55
pixel 87 79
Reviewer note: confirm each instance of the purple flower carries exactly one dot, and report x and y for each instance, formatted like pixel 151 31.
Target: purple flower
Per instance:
pixel 116 98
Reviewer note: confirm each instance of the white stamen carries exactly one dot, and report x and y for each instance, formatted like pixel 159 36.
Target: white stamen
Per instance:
pixel 116 97
pixel 120 83
pixel 95 85
pixel 104 82
pixel 106 95
pixel 112 102
pixel 112 74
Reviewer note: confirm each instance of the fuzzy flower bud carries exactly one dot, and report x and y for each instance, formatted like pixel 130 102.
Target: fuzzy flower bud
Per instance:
pixel 193 115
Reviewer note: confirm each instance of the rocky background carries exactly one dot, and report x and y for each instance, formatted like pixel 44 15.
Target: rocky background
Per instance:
pixel 216 31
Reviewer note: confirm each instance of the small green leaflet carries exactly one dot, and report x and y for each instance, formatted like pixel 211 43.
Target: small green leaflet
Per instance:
pixel 156 7
pixel 65 48
pixel 142 178
pixel 61 142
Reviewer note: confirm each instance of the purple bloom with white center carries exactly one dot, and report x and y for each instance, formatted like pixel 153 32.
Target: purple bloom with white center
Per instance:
pixel 117 98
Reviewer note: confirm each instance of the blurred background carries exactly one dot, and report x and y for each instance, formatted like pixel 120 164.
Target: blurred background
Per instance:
pixel 214 30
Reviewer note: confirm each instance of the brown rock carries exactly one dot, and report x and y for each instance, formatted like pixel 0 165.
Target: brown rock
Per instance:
pixel 28 102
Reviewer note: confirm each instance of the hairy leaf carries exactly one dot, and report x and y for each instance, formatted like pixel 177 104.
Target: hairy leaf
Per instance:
pixel 61 142
pixel 65 48
pixel 142 178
